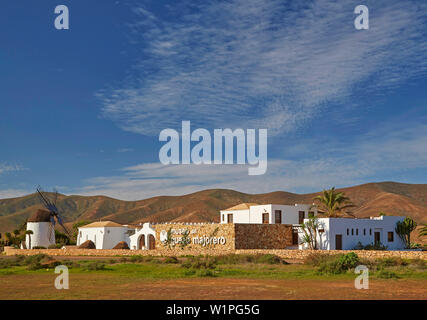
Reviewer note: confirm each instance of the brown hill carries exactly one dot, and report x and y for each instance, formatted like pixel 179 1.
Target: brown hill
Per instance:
pixel 390 197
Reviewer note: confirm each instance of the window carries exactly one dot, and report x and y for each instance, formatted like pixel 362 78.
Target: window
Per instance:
pixel 230 218
pixel 265 218
pixel 352 231
pixel 277 216
pixel 390 236
pixel 223 217
pixel 311 214
pixel 364 232
pixel 370 232
pixel 357 232
pixel 301 216
pixel 348 231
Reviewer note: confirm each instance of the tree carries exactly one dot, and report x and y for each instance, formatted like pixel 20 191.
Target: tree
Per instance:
pixel 333 203
pixel 61 238
pixel 8 236
pixel 76 227
pixel 310 229
pixel 404 229
pixel 29 232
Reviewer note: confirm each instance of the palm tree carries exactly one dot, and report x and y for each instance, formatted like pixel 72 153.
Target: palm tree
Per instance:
pixel 8 236
pixel 333 203
pixel 29 232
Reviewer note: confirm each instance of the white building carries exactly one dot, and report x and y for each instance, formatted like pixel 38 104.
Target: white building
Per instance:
pixel 346 233
pixel 143 238
pixel 104 234
pixel 43 233
pixel 267 213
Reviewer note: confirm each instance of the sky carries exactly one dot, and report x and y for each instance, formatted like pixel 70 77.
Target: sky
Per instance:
pixel 82 109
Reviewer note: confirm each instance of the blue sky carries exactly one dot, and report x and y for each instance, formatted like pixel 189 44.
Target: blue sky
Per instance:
pixel 81 109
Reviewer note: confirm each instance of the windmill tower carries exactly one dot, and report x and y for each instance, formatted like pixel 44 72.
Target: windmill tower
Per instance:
pixel 42 223
pixel 43 235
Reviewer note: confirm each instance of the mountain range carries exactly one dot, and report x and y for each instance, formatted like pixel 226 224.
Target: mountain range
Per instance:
pixel 370 199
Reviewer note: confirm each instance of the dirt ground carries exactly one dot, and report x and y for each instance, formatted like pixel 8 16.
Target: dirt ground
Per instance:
pixel 109 287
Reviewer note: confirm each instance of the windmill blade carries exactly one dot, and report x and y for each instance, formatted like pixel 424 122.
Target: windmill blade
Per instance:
pixel 55 197
pixel 63 227
pixel 52 221
pixel 49 234
pixel 45 200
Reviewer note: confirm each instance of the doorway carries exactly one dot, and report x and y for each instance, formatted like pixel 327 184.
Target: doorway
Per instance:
pixel 377 238
pixel 141 242
pixel 338 242
pixel 151 242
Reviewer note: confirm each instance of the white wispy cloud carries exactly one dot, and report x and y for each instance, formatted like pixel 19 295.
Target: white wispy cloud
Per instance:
pixel 255 63
pixel 390 150
pixel 13 193
pixel 5 167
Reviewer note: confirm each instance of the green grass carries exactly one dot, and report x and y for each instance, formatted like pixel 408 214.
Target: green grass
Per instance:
pixel 227 266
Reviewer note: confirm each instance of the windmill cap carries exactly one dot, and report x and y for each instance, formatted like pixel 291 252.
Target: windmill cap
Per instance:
pixel 40 216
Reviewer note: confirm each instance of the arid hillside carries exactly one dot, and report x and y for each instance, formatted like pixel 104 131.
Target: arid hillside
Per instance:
pixel 370 199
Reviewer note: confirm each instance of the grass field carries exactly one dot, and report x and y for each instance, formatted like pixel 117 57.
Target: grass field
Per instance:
pixel 226 277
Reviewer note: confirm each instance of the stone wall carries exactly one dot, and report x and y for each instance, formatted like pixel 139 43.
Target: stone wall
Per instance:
pixel 202 237
pixel 283 253
pixel 262 236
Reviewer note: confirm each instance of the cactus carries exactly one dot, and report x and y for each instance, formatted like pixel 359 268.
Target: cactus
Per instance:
pixel 404 229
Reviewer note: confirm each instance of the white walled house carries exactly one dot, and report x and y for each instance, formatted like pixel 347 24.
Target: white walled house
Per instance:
pixel 43 231
pixel 268 213
pixel 104 234
pixel 346 233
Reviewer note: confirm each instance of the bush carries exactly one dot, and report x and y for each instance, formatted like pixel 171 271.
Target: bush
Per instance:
pixel 391 262
pixel 337 264
pixel 137 258
pixel 316 259
pixel 94 266
pixel 39 247
pixel 56 246
pixel 386 274
pixel 269 258
pixel 372 246
pixel 205 273
pixel 197 263
pixel 171 260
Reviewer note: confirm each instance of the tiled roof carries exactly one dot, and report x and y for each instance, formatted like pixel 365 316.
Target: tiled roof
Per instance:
pixel 242 206
pixel 101 224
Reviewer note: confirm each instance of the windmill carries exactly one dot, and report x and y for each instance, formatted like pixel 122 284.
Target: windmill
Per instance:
pixel 53 210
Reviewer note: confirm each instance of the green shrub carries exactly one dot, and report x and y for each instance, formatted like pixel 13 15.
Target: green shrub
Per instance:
pixel 371 246
pixel 137 258
pixel 316 259
pixel 205 273
pixel 337 264
pixel 391 262
pixel 349 260
pixel 171 260
pixel 39 247
pixel 269 258
pixel 94 266
pixel 386 274
pixel 197 263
